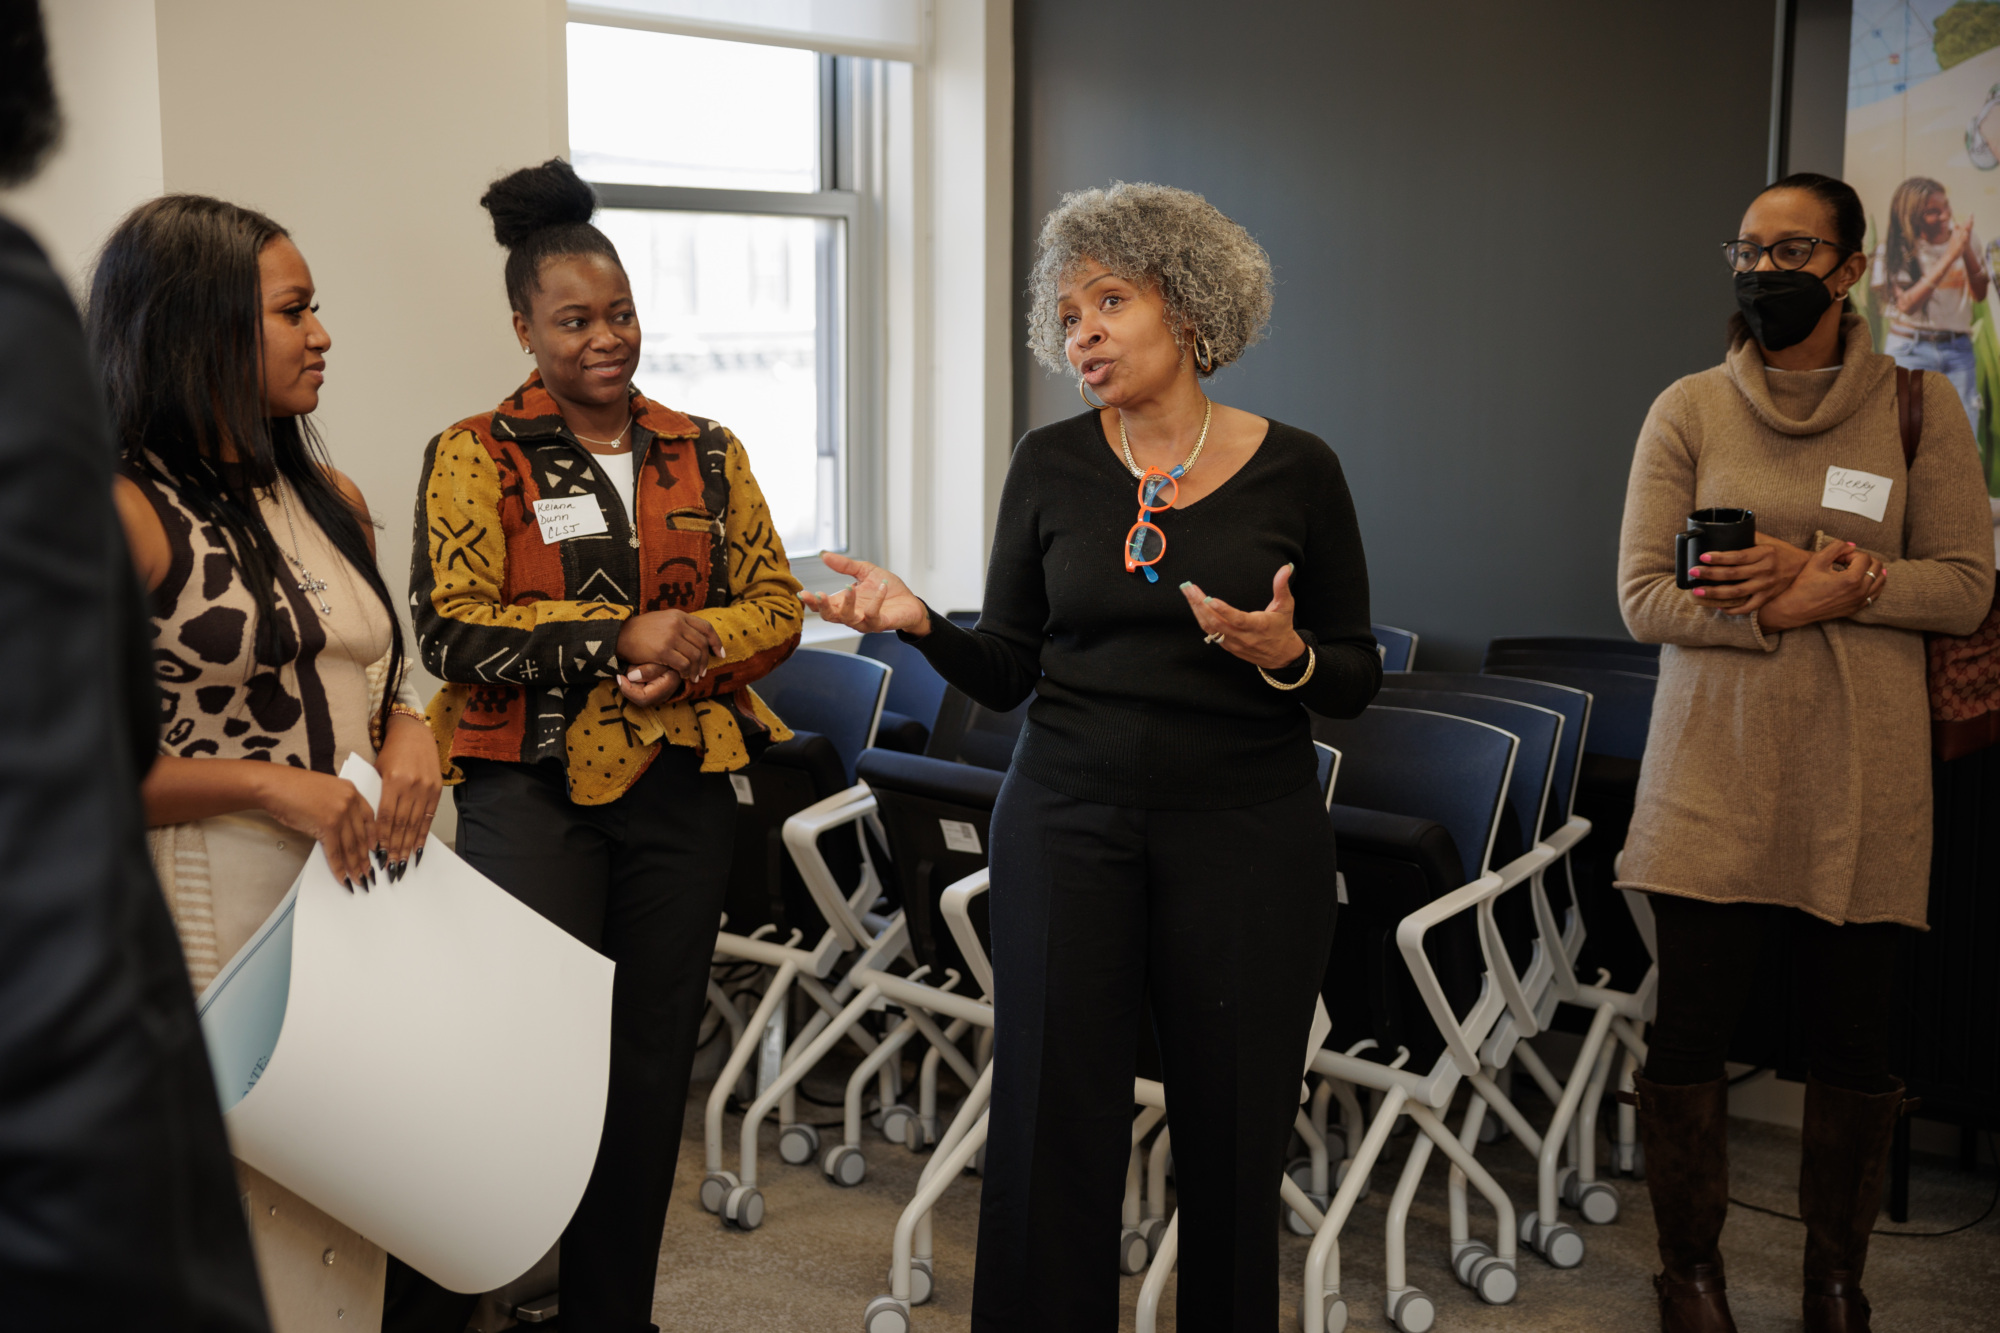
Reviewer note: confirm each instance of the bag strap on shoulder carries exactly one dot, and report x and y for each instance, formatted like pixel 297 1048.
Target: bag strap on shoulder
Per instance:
pixel 1910 410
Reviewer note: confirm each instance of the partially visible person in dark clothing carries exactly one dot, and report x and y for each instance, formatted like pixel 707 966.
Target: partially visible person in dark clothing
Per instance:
pixel 117 1202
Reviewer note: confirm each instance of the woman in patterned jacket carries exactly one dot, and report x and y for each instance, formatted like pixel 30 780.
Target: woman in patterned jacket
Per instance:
pixel 596 578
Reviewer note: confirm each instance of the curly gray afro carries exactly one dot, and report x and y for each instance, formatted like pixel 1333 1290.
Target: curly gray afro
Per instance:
pixel 1213 277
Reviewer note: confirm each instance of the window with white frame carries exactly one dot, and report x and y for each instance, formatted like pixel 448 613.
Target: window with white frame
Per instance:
pixel 727 174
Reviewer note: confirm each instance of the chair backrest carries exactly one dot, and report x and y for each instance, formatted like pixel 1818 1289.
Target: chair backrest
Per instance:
pixel 1399 647
pixel 1645 666
pixel 1539 731
pixel 1427 765
pixel 1572 703
pixel 915 687
pixel 972 734
pixel 937 816
pixel 838 695
pixel 1621 705
pixel 1573 644
pixel 1329 769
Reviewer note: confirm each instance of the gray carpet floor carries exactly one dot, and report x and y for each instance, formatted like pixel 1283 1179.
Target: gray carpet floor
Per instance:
pixel 823 1251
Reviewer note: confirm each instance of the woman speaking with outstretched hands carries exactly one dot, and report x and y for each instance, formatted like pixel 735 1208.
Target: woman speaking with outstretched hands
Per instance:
pixel 1160 839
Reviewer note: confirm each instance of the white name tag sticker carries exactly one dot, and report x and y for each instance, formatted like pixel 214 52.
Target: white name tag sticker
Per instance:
pixel 744 795
pixel 570 516
pixel 1856 492
pixel 960 836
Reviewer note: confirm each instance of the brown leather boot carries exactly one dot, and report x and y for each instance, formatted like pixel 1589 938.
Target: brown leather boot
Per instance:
pixel 1843 1161
pixel 1686 1137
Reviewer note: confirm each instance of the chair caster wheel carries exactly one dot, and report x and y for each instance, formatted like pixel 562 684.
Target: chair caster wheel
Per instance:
pixel 1561 1245
pixel 886 1314
pixel 1412 1312
pixel 715 1188
pixel 896 1123
pixel 1492 1129
pixel 923 1284
pixel 744 1208
pixel 1598 1204
pixel 1298 1225
pixel 1490 1277
pixel 1333 1315
pixel 844 1165
pixel 798 1144
pixel 1133 1252
pixel 1527 1227
pixel 1153 1229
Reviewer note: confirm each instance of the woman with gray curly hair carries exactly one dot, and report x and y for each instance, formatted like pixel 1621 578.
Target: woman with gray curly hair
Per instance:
pixel 1160 837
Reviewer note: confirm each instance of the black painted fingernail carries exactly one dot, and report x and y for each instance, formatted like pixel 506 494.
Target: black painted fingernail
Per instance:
pixel 420 856
pixel 349 883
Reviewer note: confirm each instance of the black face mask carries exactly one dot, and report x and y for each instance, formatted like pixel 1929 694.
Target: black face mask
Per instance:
pixel 1781 308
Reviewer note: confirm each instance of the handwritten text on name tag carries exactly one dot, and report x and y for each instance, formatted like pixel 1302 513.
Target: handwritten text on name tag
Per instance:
pixel 1857 492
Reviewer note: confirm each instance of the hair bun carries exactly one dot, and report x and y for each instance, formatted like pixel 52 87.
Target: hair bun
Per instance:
pixel 526 201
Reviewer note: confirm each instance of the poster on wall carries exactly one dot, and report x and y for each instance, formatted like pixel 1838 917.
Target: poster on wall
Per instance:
pixel 1923 151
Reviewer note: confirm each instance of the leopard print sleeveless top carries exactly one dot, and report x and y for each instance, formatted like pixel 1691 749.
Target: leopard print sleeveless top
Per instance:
pixel 307 704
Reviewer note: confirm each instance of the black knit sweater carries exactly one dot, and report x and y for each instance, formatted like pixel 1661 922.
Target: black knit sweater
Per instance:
pixel 1132 708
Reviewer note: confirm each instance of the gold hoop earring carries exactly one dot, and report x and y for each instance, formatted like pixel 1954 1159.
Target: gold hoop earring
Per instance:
pixel 1204 355
pixel 1083 391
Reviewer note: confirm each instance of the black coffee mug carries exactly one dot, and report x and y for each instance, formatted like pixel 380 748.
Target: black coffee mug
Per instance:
pixel 1711 530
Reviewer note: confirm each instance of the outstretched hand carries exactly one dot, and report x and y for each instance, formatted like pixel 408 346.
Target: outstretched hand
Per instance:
pixel 877 600
pixel 1262 638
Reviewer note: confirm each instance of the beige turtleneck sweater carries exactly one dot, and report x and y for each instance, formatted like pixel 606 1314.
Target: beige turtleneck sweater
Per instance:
pixel 1794 767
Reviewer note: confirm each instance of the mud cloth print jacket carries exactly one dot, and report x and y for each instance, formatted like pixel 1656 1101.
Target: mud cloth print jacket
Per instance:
pixel 525 632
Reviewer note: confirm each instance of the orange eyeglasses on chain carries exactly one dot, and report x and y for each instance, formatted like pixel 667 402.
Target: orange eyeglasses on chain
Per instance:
pixel 1145 543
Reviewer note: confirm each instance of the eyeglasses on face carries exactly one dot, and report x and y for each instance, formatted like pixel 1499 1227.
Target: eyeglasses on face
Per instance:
pixel 1794 252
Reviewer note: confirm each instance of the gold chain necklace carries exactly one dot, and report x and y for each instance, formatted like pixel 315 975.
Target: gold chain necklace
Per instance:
pixel 1126 444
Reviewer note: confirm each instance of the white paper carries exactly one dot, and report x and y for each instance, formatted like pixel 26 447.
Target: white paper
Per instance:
pixel 569 516
pixel 1856 492
pixel 959 836
pixel 436 1076
pixel 745 794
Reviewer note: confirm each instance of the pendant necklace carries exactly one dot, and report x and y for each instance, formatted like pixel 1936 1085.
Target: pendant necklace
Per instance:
pixel 307 583
pixel 611 443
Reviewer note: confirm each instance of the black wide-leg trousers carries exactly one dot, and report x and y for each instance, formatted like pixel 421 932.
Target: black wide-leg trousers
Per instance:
pixel 1224 918
pixel 640 880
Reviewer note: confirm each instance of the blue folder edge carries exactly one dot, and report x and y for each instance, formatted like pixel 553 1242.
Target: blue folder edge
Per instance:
pixel 243 1009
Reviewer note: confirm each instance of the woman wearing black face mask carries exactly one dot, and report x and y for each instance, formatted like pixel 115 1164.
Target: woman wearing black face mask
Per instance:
pixel 1786 783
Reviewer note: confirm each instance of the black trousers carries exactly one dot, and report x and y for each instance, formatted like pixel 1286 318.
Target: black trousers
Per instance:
pixel 641 881
pixel 1843 988
pixel 1225 918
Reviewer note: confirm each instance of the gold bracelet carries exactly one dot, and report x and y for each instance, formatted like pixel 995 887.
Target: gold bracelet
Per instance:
pixel 407 711
pixel 1311 662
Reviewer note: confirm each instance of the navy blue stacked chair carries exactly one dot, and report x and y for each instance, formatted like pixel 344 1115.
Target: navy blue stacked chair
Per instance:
pixel 831 701
pixel 969 733
pixel 1607 787
pixel 915 691
pixel 1399 647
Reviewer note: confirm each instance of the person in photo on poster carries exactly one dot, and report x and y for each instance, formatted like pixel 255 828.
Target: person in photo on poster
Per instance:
pixel 1929 274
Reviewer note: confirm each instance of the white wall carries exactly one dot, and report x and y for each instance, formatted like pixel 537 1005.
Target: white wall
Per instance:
pixel 103 56
pixel 369 129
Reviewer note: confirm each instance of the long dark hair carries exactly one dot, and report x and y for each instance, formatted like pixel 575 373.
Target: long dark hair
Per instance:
pixel 176 323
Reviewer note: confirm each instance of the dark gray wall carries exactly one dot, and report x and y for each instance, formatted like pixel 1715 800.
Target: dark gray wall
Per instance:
pixel 1816 120
pixel 1495 230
